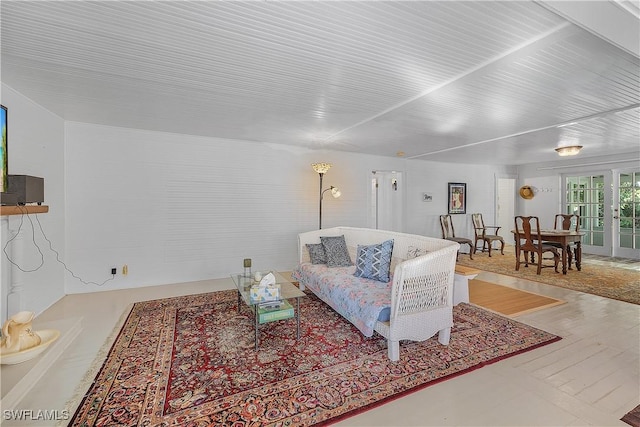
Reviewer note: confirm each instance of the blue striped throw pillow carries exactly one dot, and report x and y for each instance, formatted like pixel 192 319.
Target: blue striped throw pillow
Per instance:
pixel 374 261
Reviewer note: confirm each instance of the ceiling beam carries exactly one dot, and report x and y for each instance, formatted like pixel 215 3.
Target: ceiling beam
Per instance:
pixel 612 21
pixel 545 37
pixel 528 131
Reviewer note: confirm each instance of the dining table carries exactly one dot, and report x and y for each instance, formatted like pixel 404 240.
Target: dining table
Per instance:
pixel 564 238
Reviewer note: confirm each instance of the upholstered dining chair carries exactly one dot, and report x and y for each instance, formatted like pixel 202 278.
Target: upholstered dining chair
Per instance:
pixel 449 233
pixel 529 241
pixel 487 239
pixel 565 222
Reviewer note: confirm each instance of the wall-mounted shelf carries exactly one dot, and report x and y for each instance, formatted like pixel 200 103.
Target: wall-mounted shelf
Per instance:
pixel 26 209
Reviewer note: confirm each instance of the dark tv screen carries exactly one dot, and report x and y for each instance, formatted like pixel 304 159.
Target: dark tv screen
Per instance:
pixel 3 150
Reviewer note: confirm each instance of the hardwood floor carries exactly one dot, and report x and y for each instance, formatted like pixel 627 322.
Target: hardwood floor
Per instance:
pixel 590 377
pixel 507 300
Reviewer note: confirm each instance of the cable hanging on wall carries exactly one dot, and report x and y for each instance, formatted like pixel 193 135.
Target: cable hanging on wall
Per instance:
pixel 33 238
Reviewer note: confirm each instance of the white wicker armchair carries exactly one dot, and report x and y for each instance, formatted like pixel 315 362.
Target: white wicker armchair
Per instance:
pixel 422 288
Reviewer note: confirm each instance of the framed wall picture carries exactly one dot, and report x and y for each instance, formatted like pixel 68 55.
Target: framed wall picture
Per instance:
pixel 457 198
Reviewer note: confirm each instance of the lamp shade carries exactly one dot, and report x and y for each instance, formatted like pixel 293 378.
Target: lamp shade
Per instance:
pixel 335 192
pixel 321 167
pixel 569 150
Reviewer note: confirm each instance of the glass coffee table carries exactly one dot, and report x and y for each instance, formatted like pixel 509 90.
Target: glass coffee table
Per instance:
pixel 288 291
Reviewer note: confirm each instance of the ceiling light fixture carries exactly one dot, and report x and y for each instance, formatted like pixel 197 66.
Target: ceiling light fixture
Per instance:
pixel 569 150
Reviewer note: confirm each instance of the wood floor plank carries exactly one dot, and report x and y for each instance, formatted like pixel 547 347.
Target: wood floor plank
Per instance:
pixel 573 380
pixel 506 300
pixel 564 349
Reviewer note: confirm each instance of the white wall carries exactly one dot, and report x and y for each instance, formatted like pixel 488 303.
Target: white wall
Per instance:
pixel 546 179
pixel 546 201
pixel 35 147
pixel 431 177
pixel 178 208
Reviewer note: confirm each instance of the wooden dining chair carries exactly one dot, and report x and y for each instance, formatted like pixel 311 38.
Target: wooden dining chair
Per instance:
pixel 449 233
pixel 481 233
pixel 566 222
pixel 529 241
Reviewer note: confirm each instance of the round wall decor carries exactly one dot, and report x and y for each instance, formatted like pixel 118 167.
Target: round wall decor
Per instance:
pixel 526 192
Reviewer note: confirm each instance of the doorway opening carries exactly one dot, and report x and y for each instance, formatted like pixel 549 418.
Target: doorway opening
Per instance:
pixel 386 210
pixel 505 207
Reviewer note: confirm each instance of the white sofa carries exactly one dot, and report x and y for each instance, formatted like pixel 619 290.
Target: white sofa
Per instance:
pixel 420 292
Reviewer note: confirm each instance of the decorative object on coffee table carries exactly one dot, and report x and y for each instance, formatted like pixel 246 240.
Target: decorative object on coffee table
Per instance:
pixel 247 267
pixel 263 300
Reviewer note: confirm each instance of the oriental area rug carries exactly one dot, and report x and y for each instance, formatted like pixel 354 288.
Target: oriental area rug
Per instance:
pixel 190 361
pixel 632 417
pixel 610 282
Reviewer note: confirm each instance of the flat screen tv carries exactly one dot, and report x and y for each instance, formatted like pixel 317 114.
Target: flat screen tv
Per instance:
pixel 4 160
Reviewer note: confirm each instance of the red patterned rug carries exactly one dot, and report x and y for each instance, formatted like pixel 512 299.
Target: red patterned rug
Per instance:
pixel 190 361
pixel 632 417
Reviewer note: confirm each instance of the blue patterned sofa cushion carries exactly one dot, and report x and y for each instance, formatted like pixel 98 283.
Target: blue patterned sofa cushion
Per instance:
pixel 374 261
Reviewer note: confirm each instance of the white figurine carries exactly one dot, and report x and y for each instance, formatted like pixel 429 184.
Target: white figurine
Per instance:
pixel 17 334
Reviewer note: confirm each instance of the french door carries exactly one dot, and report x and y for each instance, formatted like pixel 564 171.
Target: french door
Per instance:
pixel 609 207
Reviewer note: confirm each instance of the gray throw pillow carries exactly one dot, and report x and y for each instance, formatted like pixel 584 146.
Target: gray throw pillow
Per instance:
pixel 316 253
pixel 336 250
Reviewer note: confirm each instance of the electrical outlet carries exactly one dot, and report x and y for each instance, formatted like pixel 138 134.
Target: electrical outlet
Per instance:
pixel 114 271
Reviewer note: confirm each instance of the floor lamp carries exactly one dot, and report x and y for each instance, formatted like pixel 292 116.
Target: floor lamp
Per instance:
pixel 322 168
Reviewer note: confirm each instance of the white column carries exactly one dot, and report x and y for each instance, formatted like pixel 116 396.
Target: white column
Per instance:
pixel 5 267
pixel 15 250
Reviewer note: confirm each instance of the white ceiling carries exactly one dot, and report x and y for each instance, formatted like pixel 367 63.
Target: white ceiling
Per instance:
pixel 472 82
